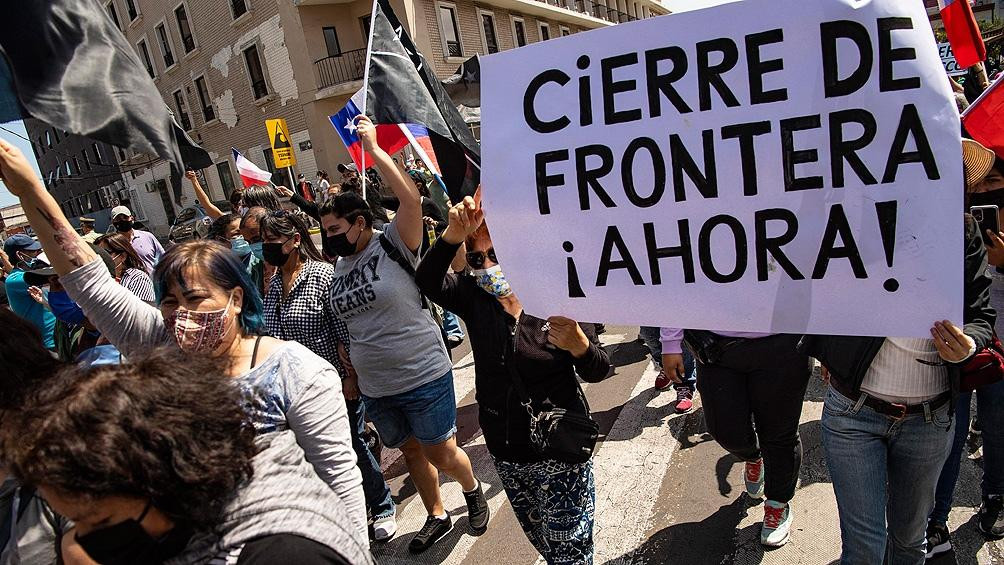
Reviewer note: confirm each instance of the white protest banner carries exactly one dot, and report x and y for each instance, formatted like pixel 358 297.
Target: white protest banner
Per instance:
pixel 765 165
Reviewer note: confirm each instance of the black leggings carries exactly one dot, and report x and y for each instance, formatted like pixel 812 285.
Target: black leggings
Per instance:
pixel 755 392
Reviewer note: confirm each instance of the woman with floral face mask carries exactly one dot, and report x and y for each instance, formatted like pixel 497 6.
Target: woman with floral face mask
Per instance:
pixel 207 305
pixel 547 354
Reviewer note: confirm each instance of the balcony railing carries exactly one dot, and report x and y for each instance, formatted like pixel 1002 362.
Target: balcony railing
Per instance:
pixel 339 69
pixel 600 11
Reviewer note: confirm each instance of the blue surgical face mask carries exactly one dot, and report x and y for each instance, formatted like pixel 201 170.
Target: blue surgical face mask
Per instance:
pixel 64 308
pixel 240 246
pixel 256 250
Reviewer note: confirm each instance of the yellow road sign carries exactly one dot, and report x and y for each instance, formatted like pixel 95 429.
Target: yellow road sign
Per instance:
pixel 282 148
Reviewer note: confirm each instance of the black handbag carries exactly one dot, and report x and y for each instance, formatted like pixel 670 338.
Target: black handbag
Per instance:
pixel 707 347
pixel 565 435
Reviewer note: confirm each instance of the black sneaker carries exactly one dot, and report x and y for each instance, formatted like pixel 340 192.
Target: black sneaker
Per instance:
pixel 938 540
pixel 433 531
pixel 990 518
pixel 477 511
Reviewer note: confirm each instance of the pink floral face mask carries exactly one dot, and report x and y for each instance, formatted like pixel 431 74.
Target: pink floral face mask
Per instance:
pixel 198 331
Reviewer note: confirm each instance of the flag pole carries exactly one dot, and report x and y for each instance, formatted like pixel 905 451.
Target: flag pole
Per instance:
pixel 366 88
pixel 423 156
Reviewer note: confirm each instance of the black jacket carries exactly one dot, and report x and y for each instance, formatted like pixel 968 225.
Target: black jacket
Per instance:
pixel 547 372
pixel 848 358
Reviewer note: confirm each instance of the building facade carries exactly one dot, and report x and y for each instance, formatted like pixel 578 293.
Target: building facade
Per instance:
pixel 81 174
pixel 225 67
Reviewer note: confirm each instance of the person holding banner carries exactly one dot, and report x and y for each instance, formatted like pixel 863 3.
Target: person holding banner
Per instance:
pixel 552 499
pixel 887 420
pixel 985 186
pixel 405 372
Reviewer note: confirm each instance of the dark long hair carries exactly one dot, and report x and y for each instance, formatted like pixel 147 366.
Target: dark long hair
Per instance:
pixel 165 427
pixel 263 196
pixel 221 266
pixel 218 229
pixel 287 224
pixel 120 243
pixel 25 360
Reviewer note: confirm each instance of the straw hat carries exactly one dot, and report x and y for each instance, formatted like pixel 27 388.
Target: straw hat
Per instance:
pixel 977 159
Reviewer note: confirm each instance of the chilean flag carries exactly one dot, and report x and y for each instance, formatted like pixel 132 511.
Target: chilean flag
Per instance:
pixel 390 138
pixel 963 32
pixel 983 118
pixel 251 175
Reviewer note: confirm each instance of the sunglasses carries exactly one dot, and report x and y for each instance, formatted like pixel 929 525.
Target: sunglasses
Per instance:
pixel 476 259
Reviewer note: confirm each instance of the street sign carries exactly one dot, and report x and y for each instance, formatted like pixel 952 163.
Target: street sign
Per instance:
pixel 948 60
pixel 282 149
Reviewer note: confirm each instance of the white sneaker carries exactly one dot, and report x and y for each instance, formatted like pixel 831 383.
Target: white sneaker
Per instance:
pixel 753 475
pixel 384 528
pixel 777 519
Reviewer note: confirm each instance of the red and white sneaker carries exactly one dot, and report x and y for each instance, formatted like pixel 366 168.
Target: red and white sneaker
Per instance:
pixel 684 400
pixel 662 382
pixel 754 478
pixel 777 520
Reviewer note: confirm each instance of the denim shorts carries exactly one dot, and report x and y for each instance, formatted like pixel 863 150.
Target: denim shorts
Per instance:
pixel 427 413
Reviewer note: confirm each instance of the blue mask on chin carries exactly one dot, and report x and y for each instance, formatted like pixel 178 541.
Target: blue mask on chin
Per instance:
pixel 240 246
pixel 256 250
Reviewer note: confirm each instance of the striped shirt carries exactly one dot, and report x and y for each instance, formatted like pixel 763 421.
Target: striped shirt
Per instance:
pixel 907 371
pixel 139 283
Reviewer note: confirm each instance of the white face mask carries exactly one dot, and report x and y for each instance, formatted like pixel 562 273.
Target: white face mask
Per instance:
pixel 492 280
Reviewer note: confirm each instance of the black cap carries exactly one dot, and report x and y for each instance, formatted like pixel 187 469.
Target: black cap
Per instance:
pixel 41 275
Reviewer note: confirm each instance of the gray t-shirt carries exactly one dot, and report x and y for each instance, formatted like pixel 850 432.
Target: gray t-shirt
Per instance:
pixel 396 345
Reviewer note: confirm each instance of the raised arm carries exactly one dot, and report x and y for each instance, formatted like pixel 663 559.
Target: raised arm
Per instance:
pixel 409 214
pixel 211 210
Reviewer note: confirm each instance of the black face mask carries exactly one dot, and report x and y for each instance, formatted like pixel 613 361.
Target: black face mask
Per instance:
pixel 123 225
pixel 994 197
pixel 273 254
pixel 339 245
pixel 127 542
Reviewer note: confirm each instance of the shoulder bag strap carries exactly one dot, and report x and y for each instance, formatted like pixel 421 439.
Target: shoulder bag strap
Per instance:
pixel 395 254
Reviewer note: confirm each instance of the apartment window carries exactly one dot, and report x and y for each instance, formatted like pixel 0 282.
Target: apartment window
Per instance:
pixel 55 135
pixel 226 177
pixel 131 10
pixel 66 166
pixel 238 7
pixel 76 166
pixel 144 53
pixel 97 154
pixel 488 36
pixel 113 13
pixel 331 42
pixel 182 108
pixel 122 155
pixel 270 167
pixel 165 46
pixel 564 31
pixel 545 32
pixel 255 72
pixel 184 28
pixel 87 162
pixel 208 112
pixel 519 31
pixel 365 23
pixel 451 31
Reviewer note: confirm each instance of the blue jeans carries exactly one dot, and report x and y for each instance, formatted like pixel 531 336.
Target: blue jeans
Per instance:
pixel 650 335
pixel 554 503
pixel 451 324
pixel 375 488
pixel 990 407
pixel 427 413
pixel 884 473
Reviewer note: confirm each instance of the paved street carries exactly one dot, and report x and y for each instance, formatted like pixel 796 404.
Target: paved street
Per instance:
pixel 666 493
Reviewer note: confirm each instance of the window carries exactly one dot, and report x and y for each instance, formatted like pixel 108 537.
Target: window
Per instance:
pixel 331 42
pixel 182 108
pixel 488 36
pixel 365 23
pixel 76 166
pixel 122 155
pixel 113 14
pixel 519 31
pixel 564 31
pixel 208 111
pixel 87 162
pixel 277 176
pixel 259 87
pixel 238 7
pixel 131 10
pixel 165 46
pixel 55 135
pixel 545 32
pixel 184 28
pixel 451 31
pixel 97 154
pixel 69 171
pixel 226 177
pixel 144 54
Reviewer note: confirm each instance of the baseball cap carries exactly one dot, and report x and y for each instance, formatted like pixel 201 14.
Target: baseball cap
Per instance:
pixel 40 275
pixel 20 242
pixel 350 167
pixel 121 211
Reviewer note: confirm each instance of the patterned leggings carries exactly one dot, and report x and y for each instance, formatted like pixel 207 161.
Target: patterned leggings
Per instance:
pixel 554 503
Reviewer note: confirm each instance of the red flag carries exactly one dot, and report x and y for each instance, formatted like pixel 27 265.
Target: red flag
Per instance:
pixel 983 120
pixel 963 32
